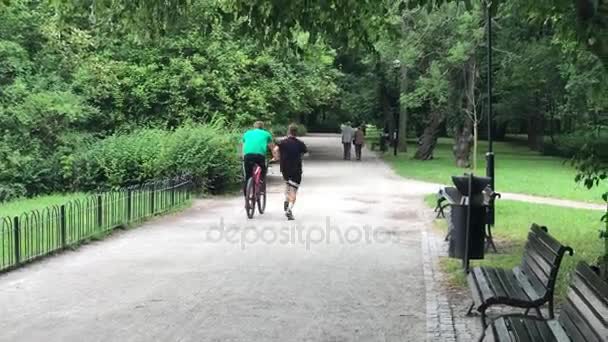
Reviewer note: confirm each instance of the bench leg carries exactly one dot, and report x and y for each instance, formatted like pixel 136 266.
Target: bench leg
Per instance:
pixel 551 312
pixel 439 210
pixel 538 312
pixel 470 311
pixel 442 210
pixel 484 324
pixel 490 242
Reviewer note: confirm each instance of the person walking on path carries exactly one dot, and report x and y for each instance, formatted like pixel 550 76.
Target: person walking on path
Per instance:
pixel 359 141
pixel 291 150
pixel 347 139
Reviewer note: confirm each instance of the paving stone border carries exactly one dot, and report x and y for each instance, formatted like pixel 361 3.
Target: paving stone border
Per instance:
pixel 445 308
pixel 439 318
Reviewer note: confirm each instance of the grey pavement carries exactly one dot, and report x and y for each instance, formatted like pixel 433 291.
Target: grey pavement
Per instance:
pixel 209 274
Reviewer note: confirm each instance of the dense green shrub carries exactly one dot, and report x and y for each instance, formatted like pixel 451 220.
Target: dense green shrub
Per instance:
pixel 281 130
pixel 567 146
pixel 207 152
pixel 67 81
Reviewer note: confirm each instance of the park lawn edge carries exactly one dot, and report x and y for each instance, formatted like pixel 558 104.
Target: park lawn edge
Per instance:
pixel 584 239
pixel 99 236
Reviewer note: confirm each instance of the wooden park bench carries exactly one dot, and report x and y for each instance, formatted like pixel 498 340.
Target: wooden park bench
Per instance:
pixel 527 286
pixel 583 317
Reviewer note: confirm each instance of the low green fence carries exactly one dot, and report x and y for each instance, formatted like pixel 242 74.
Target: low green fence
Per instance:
pixel 38 233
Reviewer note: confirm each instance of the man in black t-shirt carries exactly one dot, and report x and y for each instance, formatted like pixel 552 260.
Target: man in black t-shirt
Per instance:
pixel 291 150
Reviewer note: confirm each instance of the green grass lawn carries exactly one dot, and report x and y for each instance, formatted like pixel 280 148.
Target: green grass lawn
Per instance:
pixel 40 225
pixel 518 170
pixel 577 228
pixel 20 206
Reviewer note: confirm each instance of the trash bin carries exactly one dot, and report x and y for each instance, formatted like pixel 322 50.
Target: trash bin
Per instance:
pixel 467 204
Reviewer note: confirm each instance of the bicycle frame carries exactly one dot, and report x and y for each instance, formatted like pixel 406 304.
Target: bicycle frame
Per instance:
pixel 257 178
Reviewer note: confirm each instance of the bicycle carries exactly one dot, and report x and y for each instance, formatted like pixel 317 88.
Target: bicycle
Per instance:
pixel 255 193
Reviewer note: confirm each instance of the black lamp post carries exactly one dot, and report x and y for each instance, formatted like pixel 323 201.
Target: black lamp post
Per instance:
pixel 397 66
pixel 490 154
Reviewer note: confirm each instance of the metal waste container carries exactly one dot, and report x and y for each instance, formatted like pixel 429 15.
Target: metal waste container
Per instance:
pixel 468 217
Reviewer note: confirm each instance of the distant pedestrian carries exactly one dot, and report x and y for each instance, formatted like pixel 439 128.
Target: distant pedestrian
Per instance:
pixel 359 141
pixel 347 139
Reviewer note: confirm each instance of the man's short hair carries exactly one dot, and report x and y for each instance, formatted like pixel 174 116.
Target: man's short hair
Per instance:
pixel 259 124
pixel 293 129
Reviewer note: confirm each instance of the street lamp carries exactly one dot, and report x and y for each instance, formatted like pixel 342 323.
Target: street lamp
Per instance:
pixel 397 66
pixel 490 155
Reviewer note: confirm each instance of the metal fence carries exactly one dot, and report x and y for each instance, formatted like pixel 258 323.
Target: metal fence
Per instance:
pixel 41 232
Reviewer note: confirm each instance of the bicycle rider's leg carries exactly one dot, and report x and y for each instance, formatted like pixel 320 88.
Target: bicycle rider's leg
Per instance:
pixel 261 161
pixel 248 162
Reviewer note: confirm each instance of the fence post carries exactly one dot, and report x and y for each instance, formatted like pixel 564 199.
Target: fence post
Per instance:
pixel 172 193
pixel 99 212
pixel 152 193
pixel 129 206
pixel 16 233
pixel 62 220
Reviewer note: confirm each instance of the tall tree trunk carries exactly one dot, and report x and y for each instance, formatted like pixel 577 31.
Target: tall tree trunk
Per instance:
pixel 466 134
pixel 501 130
pixel 462 144
pixel 403 90
pixel 428 141
pixel 536 128
pixel 386 109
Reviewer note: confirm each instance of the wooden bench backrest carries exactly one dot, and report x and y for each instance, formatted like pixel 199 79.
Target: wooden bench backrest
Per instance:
pixel 541 260
pixel 584 316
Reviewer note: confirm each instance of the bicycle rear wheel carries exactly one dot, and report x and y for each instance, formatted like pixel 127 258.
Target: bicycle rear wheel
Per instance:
pixel 250 198
pixel 262 198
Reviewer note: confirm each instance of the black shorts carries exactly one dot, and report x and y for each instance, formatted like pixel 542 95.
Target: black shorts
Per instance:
pixel 293 179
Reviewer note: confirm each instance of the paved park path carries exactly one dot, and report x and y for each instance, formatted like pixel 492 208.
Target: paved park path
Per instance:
pixel 184 278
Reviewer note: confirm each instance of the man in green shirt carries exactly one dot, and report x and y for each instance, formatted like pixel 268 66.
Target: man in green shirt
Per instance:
pixel 256 144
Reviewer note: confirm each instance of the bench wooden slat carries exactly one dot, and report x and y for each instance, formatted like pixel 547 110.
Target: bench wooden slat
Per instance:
pixel 547 239
pixel 482 283
pixel 590 278
pixel 532 330
pixel 569 319
pixel 474 289
pixel 583 317
pixel 495 284
pixel 510 284
pixel 586 310
pixel 599 287
pixel 549 255
pixel 591 308
pixel 501 331
pixel 490 335
pixel 535 242
pixel 544 331
pixel 525 284
pixel 558 331
pixel 537 276
pixel 544 256
pixel 519 330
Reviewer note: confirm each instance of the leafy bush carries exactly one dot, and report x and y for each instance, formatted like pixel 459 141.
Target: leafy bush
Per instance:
pixel 281 130
pixel 567 146
pixel 207 152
